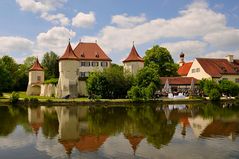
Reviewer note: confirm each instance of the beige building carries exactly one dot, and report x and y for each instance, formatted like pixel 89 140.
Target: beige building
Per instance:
pixel 133 63
pixel 36 79
pixel 212 68
pixel 75 66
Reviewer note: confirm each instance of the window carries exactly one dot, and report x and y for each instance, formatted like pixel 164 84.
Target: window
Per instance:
pixel 104 64
pixel 38 78
pixel 198 70
pixel 84 74
pixel 237 80
pixel 193 70
pixel 86 64
pixel 94 64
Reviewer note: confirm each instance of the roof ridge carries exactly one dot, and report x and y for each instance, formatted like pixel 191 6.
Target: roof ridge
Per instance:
pixel 133 56
pixel 36 66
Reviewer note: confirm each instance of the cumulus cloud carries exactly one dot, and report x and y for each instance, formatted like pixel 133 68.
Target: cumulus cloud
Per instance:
pixel 54 39
pixel 56 19
pixel 189 47
pixel 126 21
pixel 15 45
pixel 84 20
pixel 44 7
pixel 196 20
pixel 225 39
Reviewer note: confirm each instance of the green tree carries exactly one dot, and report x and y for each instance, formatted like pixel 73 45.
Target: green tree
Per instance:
pixel 50 64
pixel 9 73
pixel 214 94
pixel 229 88
pixel 160 59
pixel 146 83
pixel 111 83
pixel 207 85
pixel 28 62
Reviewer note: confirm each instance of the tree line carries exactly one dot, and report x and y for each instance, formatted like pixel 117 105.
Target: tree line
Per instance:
pixel 14 76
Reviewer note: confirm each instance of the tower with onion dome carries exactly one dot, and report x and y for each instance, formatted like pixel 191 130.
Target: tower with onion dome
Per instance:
pixel 133 63
pixel 36 78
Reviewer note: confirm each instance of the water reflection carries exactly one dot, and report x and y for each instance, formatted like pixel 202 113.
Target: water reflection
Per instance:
pixel 91 129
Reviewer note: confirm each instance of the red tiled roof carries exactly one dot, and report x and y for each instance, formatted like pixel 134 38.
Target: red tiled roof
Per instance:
pixel 218 67
pixel 133 56
pixel 90 143
pixel 134 141
pixel 184 69
pixel 178 80
pixel 90 51
pixel 36 66
pixel 69 54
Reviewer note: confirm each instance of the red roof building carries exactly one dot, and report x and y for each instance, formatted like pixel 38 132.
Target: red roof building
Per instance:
pixel 90 51
pixel 218 67
pixel 133 56
pixel 36 66
pixel 184 69
pixel 178 80
pixel 69 54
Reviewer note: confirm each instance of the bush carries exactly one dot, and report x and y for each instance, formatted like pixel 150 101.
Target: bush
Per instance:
pixel 14 97
pixel 26 100
pixel 51 81
pixel 214 95
pixel 33 100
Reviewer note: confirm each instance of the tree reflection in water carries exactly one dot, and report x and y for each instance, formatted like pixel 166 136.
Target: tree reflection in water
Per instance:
pixel 87 128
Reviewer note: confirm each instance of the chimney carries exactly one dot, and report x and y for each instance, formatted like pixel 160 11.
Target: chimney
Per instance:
pixel 181 62
pixel 230 58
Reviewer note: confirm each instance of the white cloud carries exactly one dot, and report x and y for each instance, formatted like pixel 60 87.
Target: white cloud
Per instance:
pixel 44 7
pixel 11 44
pixel 84 20
pixel 56 19
pixel 54 39
pixel 40 6
pixel 222 54
pixel 225 39
pixel 196 20
pixel 189 47
pixel 126 21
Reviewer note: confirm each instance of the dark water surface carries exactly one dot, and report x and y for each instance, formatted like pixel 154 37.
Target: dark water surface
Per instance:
pixel 158 131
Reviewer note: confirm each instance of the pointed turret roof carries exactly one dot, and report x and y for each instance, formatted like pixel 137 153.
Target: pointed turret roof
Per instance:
pixel 134 141
pixel 36 66
pixel 69 54
pixel 133 56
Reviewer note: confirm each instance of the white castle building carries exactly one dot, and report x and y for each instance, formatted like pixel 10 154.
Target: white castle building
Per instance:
pixel 74 69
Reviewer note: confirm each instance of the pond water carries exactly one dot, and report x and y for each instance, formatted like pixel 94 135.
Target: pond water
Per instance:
pixel 158 131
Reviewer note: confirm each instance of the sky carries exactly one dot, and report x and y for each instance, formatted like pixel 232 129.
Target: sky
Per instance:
pixel 199 28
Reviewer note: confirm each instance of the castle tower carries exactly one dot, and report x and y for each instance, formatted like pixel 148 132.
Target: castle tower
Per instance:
pixel 68 66
pixel 36 78
pixel 133 63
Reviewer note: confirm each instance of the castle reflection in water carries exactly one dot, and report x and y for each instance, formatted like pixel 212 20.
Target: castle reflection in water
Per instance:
pixel 86 129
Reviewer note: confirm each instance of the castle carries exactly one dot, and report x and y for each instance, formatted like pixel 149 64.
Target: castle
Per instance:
pixel 75 67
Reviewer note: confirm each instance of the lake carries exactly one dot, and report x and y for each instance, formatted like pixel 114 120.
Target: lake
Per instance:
pixel 150 131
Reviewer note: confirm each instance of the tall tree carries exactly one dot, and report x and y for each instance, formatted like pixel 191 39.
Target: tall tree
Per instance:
pixel 159 58
pixel 50 64
pixel 28 62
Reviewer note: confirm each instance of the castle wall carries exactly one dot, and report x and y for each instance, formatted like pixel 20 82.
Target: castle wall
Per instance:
pixel 133 67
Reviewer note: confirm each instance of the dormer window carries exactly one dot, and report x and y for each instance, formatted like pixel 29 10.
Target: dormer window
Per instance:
pixel 82 54
pixel 97 54
pixel 224 69
pixel 236 69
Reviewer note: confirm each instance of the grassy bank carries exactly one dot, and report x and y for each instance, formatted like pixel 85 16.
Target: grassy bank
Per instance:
pixel 51 101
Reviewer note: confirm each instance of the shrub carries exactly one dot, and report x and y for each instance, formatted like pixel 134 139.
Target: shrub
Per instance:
pixel 51 81
pixel 33 100
pixel 214 95
pixel 14 97
pixel 26 100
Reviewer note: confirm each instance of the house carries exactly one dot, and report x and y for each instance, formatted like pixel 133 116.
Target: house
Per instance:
pixel 75 66
pixel 212 68
pixel 133 63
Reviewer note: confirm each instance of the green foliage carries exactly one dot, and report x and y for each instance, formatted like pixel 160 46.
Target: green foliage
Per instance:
pixel 146 83
pixel 14 97
pixel 229 88
pixel 29 61
pixel 33 100
pixel 207 85
pixel 159 58
pixel 214 94
pixel 50 64
pixel 51 81
pixel 111 83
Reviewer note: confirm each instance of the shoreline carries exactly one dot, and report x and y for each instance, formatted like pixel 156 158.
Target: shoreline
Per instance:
pixel 107 102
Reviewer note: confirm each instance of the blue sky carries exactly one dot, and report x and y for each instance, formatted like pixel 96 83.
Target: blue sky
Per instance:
pixel 200 28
